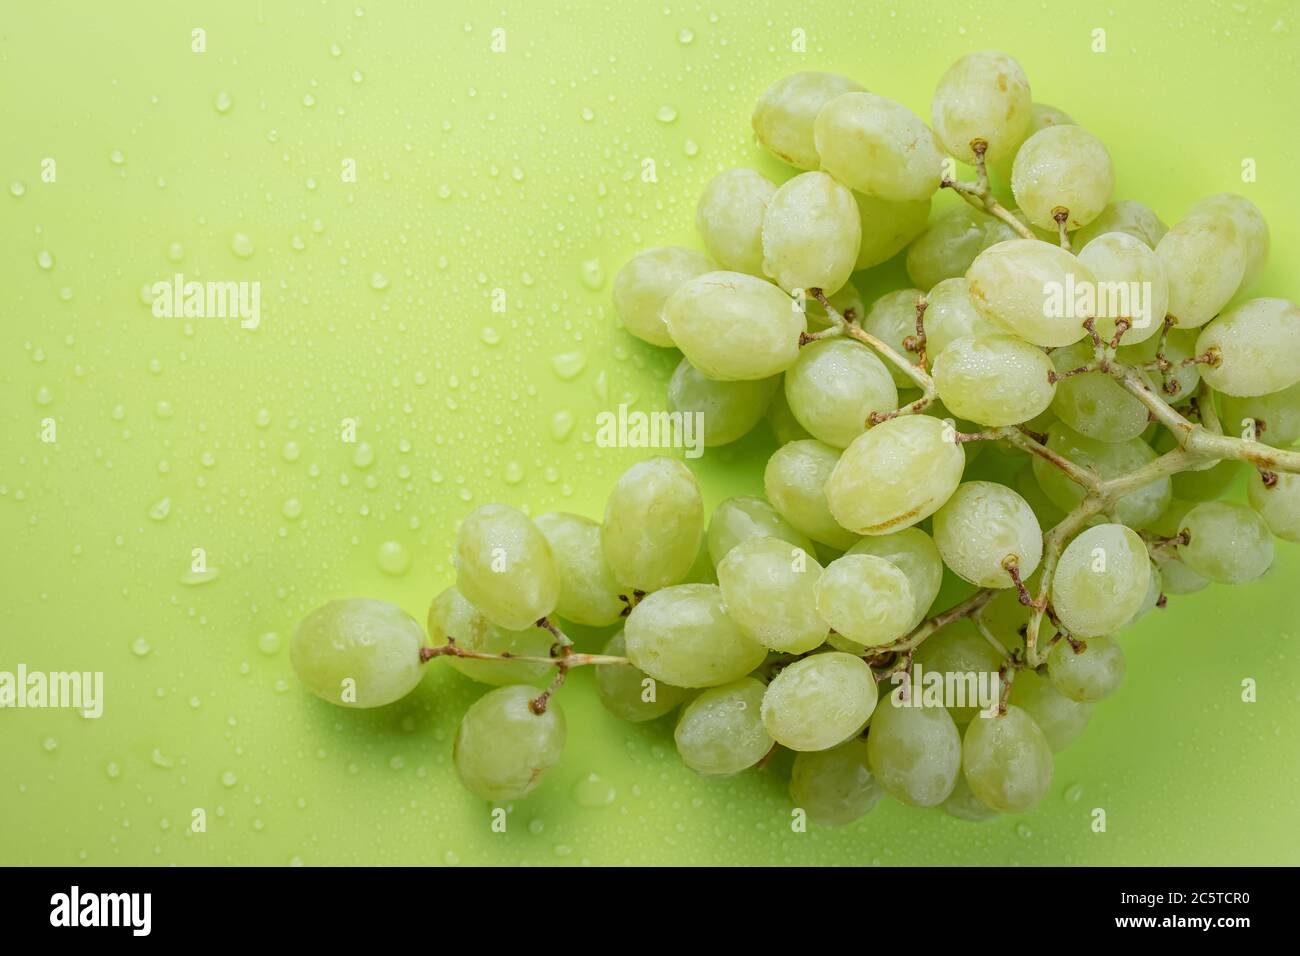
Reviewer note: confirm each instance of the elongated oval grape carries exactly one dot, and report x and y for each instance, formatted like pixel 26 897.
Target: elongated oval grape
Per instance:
pixel 451 616
pixel 783 117
pixel 1060 718
pixel 985 96
pixel 914 751
pixel 721 731
pixel 1101 580
pixel 1043 115
pixel 865 598
pixel 769 589
pixel 733 326
pixel 1229 543
pixel 646 281
pixel 1127 216
pixel 1025 285
pixel 1259 348
pixel 967 663
pixel 994 379
pixel 628 692
pixel 1278 504
pixel 1179 344
pixel 654 520
pixel 892 319
pixel 1251 227
pixel 794 481
pixel 1138 508
pixel 980 527
pixel 819 701
pixel 964 805
pixel 847 302
pixel 503 749
pixel 835 786
pixel 727 410
pixel 947 249
pixel 1062 167
pixel 1089 674
pixel 1007 761
pixel 1131 285
pixel 950 314
pixel 898 473
pixel 887 227
pixel 810 234
pixel 682 635
pixel 1204 260
pixel 748 516
pixel 834 387
pixel 1178 578
pixel 785 427
pixel 589 594
pixel 1206 484
pixel 878 147
pixel 729 218
pixel 1094 403
pixel 1278 411
pixel 913 552
pixel 358 652
pixel 505 568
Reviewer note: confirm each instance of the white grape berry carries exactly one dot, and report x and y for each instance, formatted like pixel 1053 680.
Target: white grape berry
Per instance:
pixel 795 481
pixel 1090 672
pixel 503 748
pixel 892 319
pixel 811 234
pixel 835 786
pixel 1204 259
pixel 878 147
pixel 734 326
pixel 947 249
pixel 646 281
pixel 1127 216
pixel 729 218
pixel 747 516
pixel 654 521
pixel 358 652
pixel 1007 761
pixel 1258 346
pixel 1251 227
pixel 769 588
pixel 1131 285
pixel 983 96
pixel 784 115
pixel 981 527
pixel 1277 503
pixel 1060 718
pixel 914 751
pixel 589 593
pixel 682 635
pixel 1062 168
pixel 1025 286
pixel 1101 580
pixel 994 379
pixel 727 410
pixel 887 227
pixel 835 386
pixel 505 568
pixel 1228 543
pixel 628 692
pixel 452 618
pixel 721 731
pixel 819 701
pixel 950 314
pixel 913 552
pixel 865 599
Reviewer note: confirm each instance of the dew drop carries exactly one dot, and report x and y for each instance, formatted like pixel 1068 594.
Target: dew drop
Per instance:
pixel 592 274
pixel 593 791
pixel 241 245
pixel 569 365
pixel 45 259
pixel 269 643
pixel 665 114
pixel 222 102
pixel 393 558
pixel 140 647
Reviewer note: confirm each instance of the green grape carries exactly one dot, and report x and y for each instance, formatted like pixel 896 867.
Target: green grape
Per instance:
pixel 1094 403
pixel 1087 675
pixel 846 301
pixel 783 117
pixel 721 731
pixel 892 318
pixel 982 525
pixel 898 473
pixel 505 568
pixel 865 599
pixel 1049 514
pixel 878 147
pixel 1229 543
pixel 835 786
pixel 784 425
pixel 1018 283
pixel 1101 580
pixel 912 551
pixel 1131 285
pixel 794 481
pixel 961 654
pixel 1279 411
pixel 947 249
pixel 729 218
pixel 628 692
pixel 1259 348
pixel 1251 226
pixel 835 385
pixel 994 379
pixel 734 326
pixel 646 281
pixel 503 749
pixel 914 751
pixel 811 234
pixel 1155 587
pixel 728 410
pixel 654 520
pixel 1170 521
pixel 950 315
pixel 1179 344
pixel 1204 260
pixel 1043 115
pixel 746 516
pixel 1007 761
pixel 768 587
pixel 358 652
pixel 683 636
pixel 1278 504
pixel 589 594
pixel 964 805
pixel 1062 167
pixel 1107 459
pixel 453 617
pixel 1127 216
pixel 819 701
pixel 1206 484
pixel 1178 578
pixel 1060 718
pixel 887 227
pixel 984 96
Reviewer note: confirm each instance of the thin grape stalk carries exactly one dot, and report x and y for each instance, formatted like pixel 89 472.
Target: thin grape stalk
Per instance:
pixel 1199 444
pixel 980 194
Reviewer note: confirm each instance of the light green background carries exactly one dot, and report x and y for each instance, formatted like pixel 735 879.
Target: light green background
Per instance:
pixel 518 170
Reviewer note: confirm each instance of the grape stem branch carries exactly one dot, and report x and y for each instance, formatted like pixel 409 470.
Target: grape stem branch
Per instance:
pixel 980 195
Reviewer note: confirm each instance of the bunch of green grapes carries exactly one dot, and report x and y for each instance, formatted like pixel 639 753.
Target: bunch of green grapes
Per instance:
pixel 1116 368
